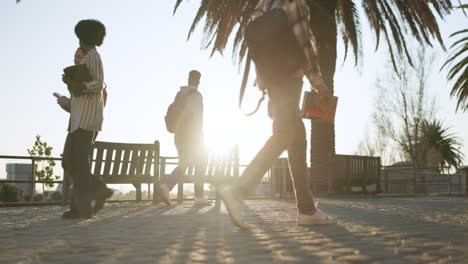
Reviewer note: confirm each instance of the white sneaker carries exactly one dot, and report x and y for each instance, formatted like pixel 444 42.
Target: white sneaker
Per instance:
pixel 165 194
pixel 318 218
pixel 201 201
pixel 234 207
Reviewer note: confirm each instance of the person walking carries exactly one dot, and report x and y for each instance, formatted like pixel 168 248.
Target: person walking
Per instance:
pixel 284 92
pixel 187 112
pixel 86 107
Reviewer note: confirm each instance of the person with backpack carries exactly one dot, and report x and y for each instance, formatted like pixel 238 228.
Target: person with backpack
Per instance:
pixel 184 119
pixel 281 44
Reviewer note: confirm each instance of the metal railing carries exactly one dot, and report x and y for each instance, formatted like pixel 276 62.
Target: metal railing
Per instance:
pixel 33 180
pixel 65 181
pixel 409 179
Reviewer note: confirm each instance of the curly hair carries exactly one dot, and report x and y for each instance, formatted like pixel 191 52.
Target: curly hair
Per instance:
pixel 90 31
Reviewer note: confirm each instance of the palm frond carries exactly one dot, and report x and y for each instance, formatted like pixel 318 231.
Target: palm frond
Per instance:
pixel 176 6
pixel 395 19
pixel 435 136
pixel 458 63
pixel 347 16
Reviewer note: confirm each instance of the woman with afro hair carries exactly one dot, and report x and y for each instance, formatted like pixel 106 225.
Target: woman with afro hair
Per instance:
pixel 86 118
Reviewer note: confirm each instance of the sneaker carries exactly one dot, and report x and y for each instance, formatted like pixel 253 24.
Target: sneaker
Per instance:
pixel 201 201
pixel 234 207
pixel 164 194
pixel 314 218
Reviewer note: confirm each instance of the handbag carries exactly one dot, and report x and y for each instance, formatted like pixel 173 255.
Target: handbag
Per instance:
pixel 314 108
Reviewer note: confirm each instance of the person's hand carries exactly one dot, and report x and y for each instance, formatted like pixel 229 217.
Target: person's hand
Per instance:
pixel 324 94
pixel 104 93
pixel 67 80
pixel 62 101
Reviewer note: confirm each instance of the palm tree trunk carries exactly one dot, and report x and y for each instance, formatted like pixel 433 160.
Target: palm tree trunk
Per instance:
pixel 322 140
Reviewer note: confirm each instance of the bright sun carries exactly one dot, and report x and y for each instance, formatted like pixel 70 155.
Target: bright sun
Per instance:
pixel 226 129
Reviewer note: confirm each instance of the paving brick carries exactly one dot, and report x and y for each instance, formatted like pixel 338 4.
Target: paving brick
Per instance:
pixel 383 230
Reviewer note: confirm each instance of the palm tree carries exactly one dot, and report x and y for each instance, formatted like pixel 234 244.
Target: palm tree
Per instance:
pixel 395 20
pixel 438 146
pixel 460 68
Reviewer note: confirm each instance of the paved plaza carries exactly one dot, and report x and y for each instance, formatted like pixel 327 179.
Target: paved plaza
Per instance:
pixel 368 230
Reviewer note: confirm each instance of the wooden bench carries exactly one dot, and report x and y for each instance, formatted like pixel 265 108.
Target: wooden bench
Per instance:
pixel 345 172
pixel 124 163
pixel 355 171
pixel 221 168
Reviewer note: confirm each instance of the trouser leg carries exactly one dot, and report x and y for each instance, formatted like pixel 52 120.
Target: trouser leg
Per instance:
pixel 298 170
pixel 261 163
pixel 67 162
pixel 175 175
pixel 96 181
pixel 81 171
pixel 200 161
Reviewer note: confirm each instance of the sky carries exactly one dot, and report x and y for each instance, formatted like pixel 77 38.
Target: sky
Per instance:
pixel 146 58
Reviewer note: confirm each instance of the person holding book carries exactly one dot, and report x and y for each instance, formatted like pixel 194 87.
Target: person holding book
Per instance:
pixel 86 107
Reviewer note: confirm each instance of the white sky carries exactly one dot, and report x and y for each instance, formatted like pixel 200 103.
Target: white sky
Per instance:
pixel 146 58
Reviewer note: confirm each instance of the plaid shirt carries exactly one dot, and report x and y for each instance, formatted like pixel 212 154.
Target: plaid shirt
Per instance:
pixel 298 14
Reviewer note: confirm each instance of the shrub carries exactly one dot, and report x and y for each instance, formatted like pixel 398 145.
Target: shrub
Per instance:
pixel 10 193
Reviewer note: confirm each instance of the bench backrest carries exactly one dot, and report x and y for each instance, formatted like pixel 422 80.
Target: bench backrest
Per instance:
pixel 357 169
pixel 125 160
pixel 219 164
pixel 223 164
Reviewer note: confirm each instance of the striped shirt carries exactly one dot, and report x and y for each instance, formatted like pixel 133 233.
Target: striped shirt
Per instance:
pixel 298 15
pixel 87 111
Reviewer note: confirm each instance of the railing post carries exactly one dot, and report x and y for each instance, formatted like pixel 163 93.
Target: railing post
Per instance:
pixel 386 179
pixel 379 170
pixel 33 179
pixel 466 180
pixel 460 190
pixel 413 171
pixel 449 188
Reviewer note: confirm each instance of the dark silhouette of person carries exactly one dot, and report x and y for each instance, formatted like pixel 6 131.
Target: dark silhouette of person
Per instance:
pixel 86 107
pixel 188 139
pixel 288 129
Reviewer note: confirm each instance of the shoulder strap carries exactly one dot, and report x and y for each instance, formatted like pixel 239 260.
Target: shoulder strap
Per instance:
pixel 244 83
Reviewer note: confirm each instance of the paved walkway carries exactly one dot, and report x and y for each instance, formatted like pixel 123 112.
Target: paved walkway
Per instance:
pixel 382 230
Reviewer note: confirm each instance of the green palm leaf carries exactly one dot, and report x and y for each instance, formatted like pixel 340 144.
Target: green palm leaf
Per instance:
pixel 458 63
pixel 436 137
pixel 395 19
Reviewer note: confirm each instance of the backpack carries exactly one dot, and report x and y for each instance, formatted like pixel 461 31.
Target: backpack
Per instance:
pixel 273 47
pixel 174 111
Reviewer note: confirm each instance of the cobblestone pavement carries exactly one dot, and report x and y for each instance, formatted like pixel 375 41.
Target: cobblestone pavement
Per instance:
pixel 379 230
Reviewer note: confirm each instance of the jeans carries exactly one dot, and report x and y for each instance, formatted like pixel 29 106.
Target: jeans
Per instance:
pixel 288 134
pixel 76 160
pixel 190 156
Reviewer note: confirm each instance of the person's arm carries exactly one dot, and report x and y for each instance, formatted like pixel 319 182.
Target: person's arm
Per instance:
pixel 194 110
pixel 96 71
pixel 306 40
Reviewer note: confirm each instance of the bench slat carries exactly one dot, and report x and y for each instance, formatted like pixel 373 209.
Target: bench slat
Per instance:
pixel 98 161
pixel 125 163
pixel 108 161
pixel 149 161
pixel 117 162
pixel 133 162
